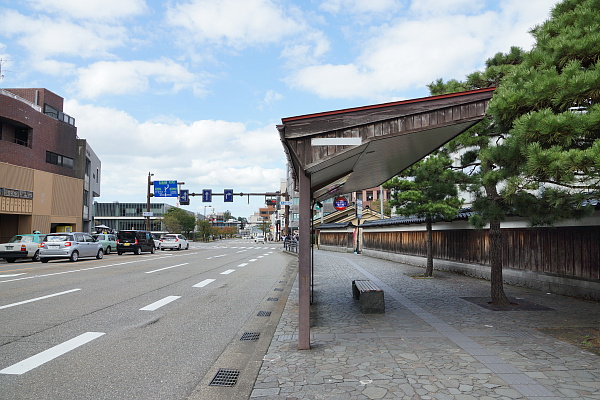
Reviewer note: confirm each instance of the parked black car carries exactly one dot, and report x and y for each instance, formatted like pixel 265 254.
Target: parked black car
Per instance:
pixel 134 241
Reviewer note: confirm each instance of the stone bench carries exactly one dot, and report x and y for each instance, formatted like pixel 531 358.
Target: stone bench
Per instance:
pixel 369 296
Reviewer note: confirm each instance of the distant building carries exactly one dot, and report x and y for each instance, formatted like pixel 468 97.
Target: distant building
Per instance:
pixel 123 216
pixel 48 176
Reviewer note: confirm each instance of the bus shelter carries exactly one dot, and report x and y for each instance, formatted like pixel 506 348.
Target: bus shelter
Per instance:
pixel 337 152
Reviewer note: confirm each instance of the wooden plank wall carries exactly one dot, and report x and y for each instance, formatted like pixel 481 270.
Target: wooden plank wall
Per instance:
pixel 339 239
pixel 569 251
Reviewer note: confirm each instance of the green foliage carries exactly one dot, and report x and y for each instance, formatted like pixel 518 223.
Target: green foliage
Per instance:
pixel 427 189
pixel 205 229
pixel 549 104
pixel 179 221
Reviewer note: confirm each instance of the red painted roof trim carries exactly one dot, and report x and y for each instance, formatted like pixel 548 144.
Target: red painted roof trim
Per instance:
pixel 394 103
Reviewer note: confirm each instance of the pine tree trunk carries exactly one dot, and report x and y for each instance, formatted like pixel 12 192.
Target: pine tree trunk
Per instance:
pixel 495 237
pixel 429 268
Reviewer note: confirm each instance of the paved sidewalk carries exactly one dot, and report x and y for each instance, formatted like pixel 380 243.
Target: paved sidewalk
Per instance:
pixel 430 343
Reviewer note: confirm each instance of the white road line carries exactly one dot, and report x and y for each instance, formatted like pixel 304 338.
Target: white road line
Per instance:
pixel 158 304
pixel 241 251
pixel 50 354
pixel 242 264
pixel 71 271
pixel 38 298
pixel 204 283
pixel 162 269
pixel 11 275
pixel 227 272
pixel 254 259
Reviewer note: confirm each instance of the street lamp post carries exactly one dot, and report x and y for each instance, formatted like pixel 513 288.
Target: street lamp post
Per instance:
pixel 148 202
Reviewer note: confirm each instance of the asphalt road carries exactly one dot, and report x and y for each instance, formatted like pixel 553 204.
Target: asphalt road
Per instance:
pixel 153 326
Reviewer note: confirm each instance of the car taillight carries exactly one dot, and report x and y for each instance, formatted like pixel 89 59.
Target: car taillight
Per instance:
pixel 177 240
pixel 67 244
pixel 23 247
pixel 118 241
pixel 136 241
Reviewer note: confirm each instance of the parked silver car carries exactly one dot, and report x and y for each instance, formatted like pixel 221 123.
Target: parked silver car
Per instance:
pixel 70 245
pixel 174 241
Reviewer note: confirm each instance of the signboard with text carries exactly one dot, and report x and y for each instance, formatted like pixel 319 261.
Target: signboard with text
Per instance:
pixel 340 203
pixel 165 189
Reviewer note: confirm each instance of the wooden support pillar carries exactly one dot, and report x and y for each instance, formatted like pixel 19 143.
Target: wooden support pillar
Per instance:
pixel 304 262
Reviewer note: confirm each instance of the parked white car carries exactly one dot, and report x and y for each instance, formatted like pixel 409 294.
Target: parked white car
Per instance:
pixel 22 246
pixel 259 239
pixel 70 245
pixel 174 241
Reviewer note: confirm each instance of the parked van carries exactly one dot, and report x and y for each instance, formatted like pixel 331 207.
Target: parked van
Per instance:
pixel 134 241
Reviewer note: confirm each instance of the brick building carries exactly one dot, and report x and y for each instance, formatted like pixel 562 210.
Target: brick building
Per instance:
pixel 48 176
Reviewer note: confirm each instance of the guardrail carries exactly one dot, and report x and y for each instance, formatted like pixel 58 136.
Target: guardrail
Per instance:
pixel 290 245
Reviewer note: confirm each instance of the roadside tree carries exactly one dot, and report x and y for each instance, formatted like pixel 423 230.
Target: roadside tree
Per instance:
pixel 428 189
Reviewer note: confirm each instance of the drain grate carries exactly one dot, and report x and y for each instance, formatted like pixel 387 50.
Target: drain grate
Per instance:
pixel 282 281
pixel 250 336
pixel 273 299
pixel 264 313
pixel 225 377
pixel 278 289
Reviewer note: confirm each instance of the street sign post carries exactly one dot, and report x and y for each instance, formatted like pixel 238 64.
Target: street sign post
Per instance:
pixel 207 195
pixel 166 189
pixel 228 195
pixel 340 203
pixel 184 197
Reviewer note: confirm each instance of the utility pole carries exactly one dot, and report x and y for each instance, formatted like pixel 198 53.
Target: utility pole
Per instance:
pixel 148 202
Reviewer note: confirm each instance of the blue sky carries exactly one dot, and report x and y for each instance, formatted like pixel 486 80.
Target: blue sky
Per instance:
pixel 192 89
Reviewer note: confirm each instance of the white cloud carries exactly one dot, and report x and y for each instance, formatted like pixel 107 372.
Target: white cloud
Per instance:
pixel 44 37
pixel 91 9
pixel 358 6
pixel 414 50
pixel 234 23
pixel 123 77
pixel 203 153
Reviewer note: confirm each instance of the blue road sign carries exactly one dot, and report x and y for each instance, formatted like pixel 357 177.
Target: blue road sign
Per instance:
pixel 207 195
pixel 228 194
pixel 184 197
pixel 166 189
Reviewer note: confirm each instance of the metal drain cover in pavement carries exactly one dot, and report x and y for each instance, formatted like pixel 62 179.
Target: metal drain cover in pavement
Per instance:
pixel 273 299
pixel 225 377
pixel 264 313
pixel 250 336
pixel 278 289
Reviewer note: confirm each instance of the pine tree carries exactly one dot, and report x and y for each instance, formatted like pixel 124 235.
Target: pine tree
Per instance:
pixel 428 189
pixel 537 155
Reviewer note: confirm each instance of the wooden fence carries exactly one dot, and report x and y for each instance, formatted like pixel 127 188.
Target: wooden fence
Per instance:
pixel 563 251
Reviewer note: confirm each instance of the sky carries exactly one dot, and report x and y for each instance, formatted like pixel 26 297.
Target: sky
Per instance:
pixel 192 90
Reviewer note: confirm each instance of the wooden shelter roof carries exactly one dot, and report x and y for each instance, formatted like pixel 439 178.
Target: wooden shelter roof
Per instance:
pixel 366 146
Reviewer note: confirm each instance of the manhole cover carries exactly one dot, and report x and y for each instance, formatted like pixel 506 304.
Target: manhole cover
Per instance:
pixel 272 299
pixel 278 289
pixel 264 313
pixel 250 336
pixel 225 377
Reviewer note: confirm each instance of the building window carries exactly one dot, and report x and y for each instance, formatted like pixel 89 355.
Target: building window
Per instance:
pixel 57 159
pixel 86 196
pixel 369 195
pixel 358 195
pixel 59 115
